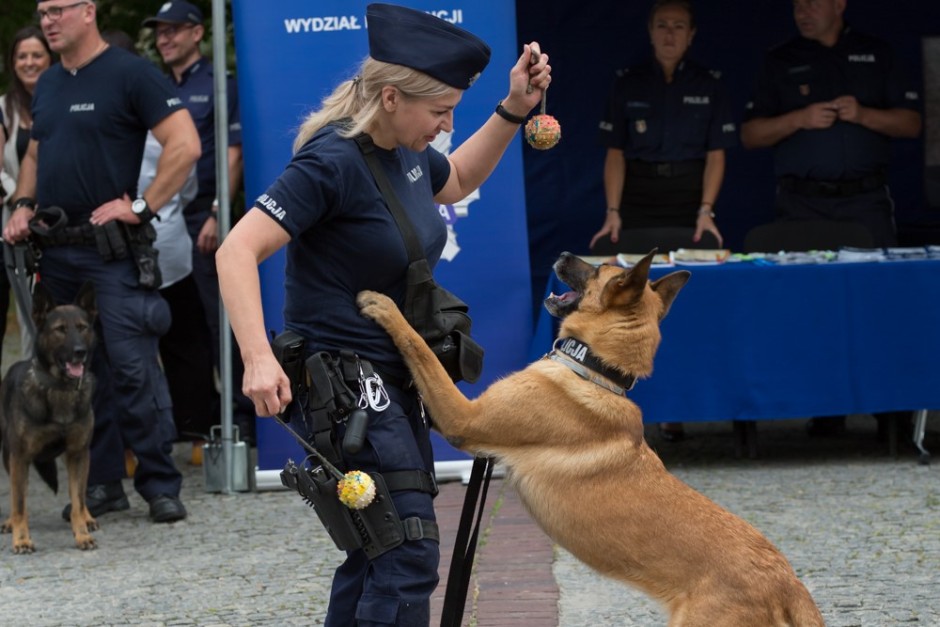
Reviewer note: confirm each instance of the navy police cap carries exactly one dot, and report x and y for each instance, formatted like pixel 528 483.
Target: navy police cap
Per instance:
pixel 425 43
pixel 176 12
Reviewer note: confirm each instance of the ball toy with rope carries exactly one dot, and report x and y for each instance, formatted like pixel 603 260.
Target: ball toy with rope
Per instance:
pixel 542 131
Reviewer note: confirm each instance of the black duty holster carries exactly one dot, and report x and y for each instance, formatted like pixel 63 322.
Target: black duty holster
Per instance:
pixel 320 385
pixel 375 529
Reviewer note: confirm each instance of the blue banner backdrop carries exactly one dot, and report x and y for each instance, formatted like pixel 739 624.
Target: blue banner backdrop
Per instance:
pixel 290 55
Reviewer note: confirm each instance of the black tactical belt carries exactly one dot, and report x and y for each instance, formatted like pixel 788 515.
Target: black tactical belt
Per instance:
pixel 664 169
pixel 832 189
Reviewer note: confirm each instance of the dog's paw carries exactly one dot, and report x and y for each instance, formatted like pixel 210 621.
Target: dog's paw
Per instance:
pixel 374 305
pixel 85 542
pixel 24 547
pixel 6 527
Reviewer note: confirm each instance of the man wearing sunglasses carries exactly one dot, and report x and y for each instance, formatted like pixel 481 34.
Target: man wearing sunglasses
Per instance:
pixel 91 114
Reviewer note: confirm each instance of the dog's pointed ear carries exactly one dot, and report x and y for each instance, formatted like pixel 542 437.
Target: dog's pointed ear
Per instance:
pixel 640 273
pixel 628 286
pixel 43 303
pixel 668 286
pixel 87 301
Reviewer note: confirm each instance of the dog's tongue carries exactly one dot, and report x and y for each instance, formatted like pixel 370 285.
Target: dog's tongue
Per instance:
pixel 564 298
pixel 75 370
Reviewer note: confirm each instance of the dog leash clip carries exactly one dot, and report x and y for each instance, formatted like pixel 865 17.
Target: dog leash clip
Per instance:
pixel 372 392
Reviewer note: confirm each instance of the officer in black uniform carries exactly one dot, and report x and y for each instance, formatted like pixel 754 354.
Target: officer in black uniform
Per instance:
pixel 666 129
pixel 327 210
pixel 828 102
pixel 91 114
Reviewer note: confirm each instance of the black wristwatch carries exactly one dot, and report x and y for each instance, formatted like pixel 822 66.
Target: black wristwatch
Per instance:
pixel 142 210
pixel 24 201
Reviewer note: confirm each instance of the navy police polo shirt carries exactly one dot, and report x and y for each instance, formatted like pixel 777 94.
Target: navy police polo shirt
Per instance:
pixel 652 120
pixel 197 91
pixel 802 72
pixel 344 240
pixel 91 127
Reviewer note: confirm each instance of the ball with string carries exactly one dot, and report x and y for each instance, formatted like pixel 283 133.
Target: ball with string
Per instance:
pixel 542 132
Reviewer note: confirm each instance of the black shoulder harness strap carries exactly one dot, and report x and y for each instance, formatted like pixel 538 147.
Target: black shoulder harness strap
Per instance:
pixel 395 207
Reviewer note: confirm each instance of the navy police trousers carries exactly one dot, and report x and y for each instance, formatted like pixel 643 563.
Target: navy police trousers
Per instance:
pixel 395 588
pixel 131 401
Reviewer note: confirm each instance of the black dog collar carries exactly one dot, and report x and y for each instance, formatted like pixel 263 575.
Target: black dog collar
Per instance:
pixel 578 356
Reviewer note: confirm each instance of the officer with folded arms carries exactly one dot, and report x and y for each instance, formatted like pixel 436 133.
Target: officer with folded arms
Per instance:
pixel 341 239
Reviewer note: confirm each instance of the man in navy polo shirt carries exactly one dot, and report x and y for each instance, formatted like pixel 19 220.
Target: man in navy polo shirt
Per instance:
pixel 828 102
pixel 91 114
pixel 178 30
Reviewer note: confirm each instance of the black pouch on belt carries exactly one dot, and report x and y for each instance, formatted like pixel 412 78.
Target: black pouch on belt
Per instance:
pixel 110 241
pixel 140 239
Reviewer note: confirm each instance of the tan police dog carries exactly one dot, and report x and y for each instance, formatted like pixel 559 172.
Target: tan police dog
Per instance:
pixel 574 446
pixel 45 411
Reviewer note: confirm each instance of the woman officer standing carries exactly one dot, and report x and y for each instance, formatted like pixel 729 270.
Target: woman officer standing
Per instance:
pixel 666 129
pixel 341 239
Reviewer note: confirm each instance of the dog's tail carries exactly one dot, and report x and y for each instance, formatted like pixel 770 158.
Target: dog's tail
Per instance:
pixel 47 472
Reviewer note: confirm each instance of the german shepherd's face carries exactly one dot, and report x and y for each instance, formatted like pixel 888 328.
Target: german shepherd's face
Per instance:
pixel 615 310
pixel 65 337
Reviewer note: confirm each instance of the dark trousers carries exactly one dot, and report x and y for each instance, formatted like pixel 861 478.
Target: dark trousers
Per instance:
pixel 187 362
pixel 131 401
pixel 395 588
pixel 874 209
pixel 657 201
pixel 206 278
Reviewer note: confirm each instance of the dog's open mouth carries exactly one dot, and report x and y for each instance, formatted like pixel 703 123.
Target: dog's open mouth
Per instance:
pixel 560 305
pixel 75 369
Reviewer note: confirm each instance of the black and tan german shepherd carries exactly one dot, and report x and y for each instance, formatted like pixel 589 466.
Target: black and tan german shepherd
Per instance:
pixel 45 411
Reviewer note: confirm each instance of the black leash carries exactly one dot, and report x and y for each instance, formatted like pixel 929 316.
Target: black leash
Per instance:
pixel 465 545
pixel 20 265
pixel 330 468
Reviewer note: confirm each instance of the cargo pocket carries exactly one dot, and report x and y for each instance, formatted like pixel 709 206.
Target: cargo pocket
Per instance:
pixel 374 609
pixel 157 317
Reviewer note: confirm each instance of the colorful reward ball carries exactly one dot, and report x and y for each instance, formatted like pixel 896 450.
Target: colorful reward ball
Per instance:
pixel 542 132
pixel 356 489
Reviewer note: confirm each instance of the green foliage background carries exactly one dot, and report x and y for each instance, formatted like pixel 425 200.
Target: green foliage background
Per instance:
pixel 126 15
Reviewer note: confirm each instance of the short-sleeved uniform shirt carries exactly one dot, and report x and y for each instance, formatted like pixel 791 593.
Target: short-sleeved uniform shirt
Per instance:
pixel 652 120
pixel 91 127
pixel 802 72
pixel 344 240
pixel 196 90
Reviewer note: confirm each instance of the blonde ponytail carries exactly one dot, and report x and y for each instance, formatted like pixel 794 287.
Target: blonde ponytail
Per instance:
pixel 360 98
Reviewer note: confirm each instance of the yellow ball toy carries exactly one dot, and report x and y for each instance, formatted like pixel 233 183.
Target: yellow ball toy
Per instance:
pixel 356 489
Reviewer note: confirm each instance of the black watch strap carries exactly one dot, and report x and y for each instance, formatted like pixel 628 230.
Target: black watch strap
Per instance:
pixel 147 214
pixel 24 201
pixel 506 115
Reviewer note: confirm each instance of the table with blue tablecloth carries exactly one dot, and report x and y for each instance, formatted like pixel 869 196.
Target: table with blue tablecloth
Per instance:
pixel 746 341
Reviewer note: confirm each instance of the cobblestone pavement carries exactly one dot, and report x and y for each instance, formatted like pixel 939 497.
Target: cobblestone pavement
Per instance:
pixel 862 530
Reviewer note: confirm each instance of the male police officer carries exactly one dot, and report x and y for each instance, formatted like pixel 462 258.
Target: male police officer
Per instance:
pixel 828 102
pixel 178 30
pixel 91 114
